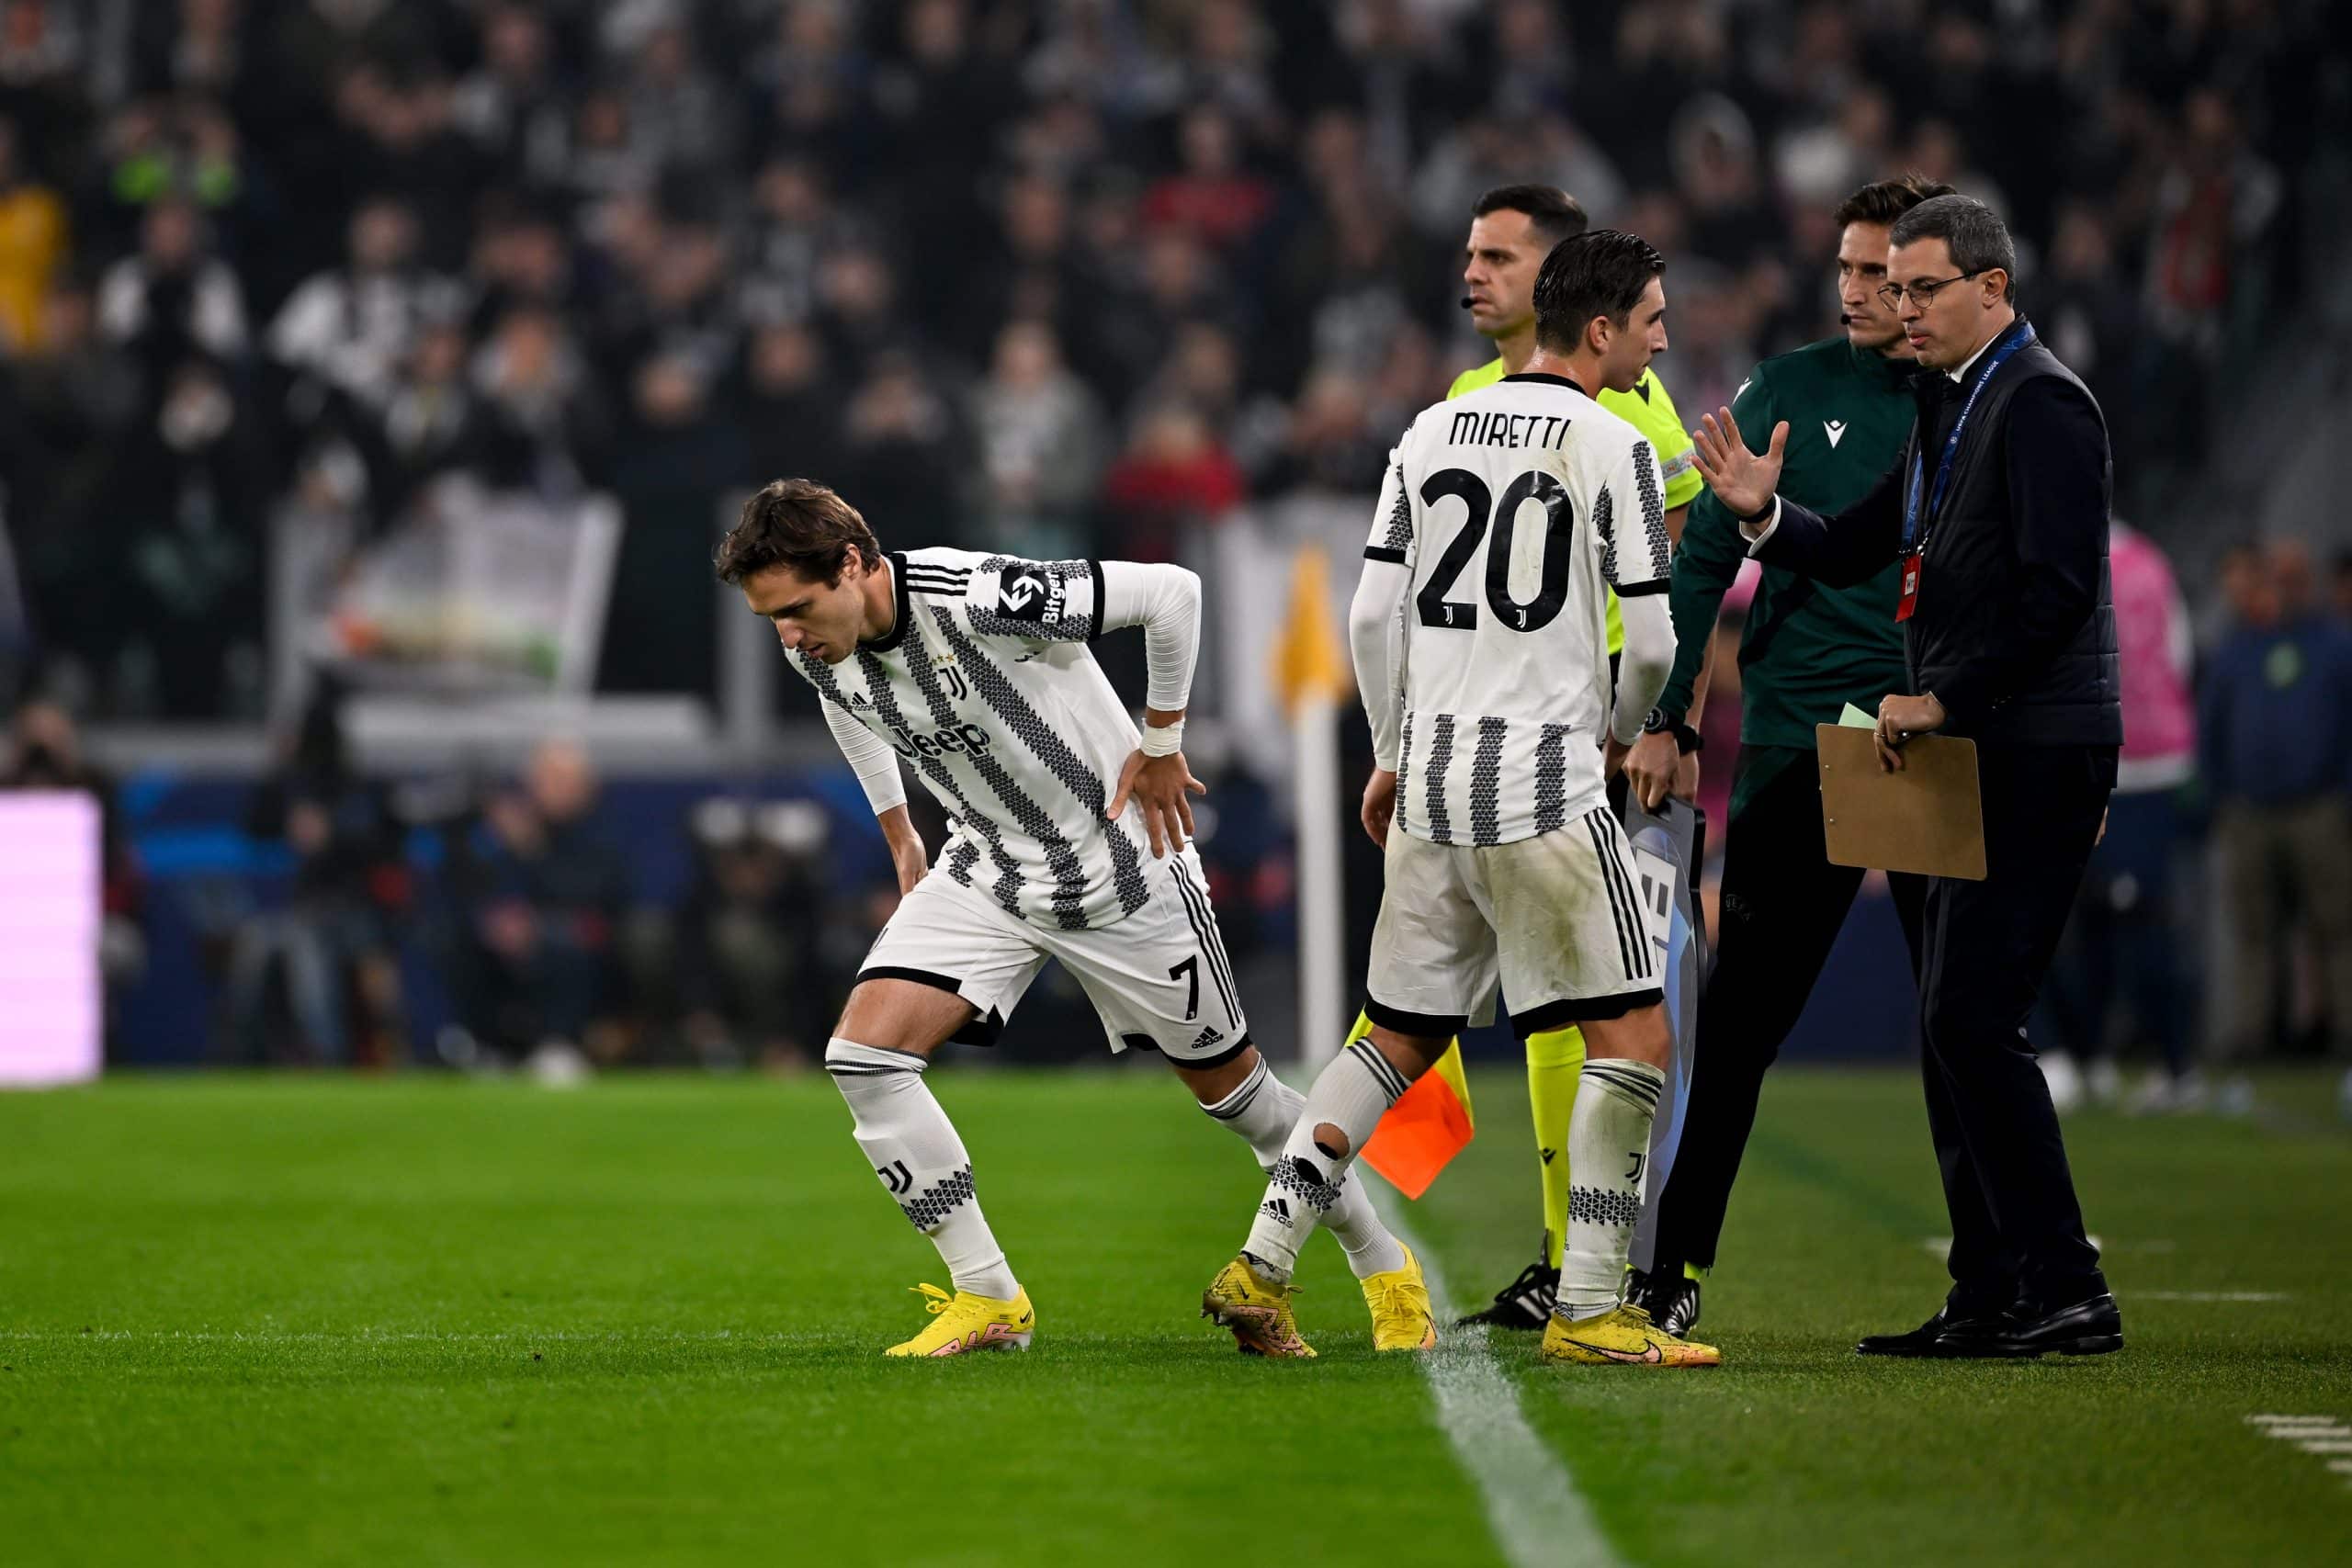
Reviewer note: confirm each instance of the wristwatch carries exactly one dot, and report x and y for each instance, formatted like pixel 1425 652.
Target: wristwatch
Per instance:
pixel 1686 740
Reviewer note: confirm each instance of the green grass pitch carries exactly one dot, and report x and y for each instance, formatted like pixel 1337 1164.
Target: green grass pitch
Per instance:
pixel 304 1321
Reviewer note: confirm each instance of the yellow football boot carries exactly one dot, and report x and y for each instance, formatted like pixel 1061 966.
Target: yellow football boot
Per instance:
pixel 1626 1337
pixel 1399 1300
pixel 1258 1313
pixel 964 1322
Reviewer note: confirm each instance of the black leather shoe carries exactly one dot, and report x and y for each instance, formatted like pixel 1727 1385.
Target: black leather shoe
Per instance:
pixel 1524 1303
pixel 2086 1328
pixel 1672 1304
pixel 1922 1341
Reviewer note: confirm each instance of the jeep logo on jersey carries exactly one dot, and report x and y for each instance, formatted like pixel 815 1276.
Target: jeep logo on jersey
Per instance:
pixel 958 739
pixel 1026 593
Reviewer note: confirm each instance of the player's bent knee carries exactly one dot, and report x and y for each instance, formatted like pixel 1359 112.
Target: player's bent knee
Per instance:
pixel 1212 1084
pixel 842 1054
pixel 892 1014
pixel 1642 1034
pixel 1411 1054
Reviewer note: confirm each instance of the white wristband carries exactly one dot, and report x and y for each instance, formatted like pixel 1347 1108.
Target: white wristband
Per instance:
pixel 1162 739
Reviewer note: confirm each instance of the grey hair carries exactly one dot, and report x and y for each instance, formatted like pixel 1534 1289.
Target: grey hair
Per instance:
pixel 1978 239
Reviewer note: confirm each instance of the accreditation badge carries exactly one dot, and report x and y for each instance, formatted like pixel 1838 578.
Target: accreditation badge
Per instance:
pixel 1910 598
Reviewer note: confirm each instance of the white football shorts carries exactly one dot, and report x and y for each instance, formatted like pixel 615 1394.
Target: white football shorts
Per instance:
pixel 1557 920
pixel 1159 978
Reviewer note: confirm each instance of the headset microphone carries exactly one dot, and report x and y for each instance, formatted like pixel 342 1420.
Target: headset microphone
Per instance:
pixel 1466 301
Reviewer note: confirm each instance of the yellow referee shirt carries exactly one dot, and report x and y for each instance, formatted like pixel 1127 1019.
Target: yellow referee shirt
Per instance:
pixel 1648 410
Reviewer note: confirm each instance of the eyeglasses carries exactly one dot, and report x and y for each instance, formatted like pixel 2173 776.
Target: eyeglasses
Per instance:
pixel 1923 291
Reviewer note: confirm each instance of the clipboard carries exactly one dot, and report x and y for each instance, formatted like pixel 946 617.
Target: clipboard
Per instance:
pixel 1928 818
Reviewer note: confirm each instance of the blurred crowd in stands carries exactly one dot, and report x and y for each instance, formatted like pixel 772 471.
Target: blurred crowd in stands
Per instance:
pixel 1056 277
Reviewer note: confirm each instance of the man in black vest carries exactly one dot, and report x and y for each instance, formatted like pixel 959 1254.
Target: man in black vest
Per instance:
pixel 1997 512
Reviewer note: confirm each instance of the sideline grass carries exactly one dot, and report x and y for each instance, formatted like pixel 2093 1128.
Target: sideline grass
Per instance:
pixel 1804 1454
pixel 429 1320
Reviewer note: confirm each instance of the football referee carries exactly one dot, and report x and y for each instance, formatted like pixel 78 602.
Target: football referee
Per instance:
pixel 1807 651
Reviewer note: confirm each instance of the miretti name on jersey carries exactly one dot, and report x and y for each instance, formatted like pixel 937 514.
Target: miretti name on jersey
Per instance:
pixel 1514 508
pixel 986 688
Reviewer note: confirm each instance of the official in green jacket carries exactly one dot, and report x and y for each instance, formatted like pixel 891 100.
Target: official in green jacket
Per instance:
pixel 1807 650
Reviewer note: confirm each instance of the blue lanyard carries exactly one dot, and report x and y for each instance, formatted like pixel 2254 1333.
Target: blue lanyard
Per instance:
pixel 2020 335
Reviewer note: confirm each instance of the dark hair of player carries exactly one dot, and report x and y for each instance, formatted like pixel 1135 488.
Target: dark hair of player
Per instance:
pixel 1885 200
pixel 1552 213
pixel 798 524
pixel 1600 274
pixel 1977 238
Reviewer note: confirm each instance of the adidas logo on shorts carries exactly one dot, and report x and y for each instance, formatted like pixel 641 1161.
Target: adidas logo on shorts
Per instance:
pixel 1208 1037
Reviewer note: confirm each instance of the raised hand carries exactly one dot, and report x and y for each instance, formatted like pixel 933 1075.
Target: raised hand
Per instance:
pixel 1742 481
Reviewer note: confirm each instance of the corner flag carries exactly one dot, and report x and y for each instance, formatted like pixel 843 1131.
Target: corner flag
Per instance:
pixel 1422 1132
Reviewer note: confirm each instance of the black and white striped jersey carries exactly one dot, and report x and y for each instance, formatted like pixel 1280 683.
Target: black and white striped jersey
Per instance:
pixel 986 689
pixel 1512 510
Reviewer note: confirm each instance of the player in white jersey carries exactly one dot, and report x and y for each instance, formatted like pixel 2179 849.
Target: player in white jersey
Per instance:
pixel 1069 841
pixel 1480 651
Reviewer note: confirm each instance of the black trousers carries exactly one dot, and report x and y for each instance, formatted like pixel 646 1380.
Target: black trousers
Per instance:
pixel 1781 907
pixel 2016 1227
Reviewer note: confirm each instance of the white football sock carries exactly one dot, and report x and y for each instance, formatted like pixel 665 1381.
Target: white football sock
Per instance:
pixel 914 1148
pixel 1263 1110
pixel 1608 1143
pixel 1350 1094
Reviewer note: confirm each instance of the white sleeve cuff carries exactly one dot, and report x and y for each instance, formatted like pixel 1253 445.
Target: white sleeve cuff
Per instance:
pixel 1756 537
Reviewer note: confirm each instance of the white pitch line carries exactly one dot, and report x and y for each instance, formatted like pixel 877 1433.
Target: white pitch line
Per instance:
pixel 2318 1436
pixel 1941 1245
pixel 1536 1513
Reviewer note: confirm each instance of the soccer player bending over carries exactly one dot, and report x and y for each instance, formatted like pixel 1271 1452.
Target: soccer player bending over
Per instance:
pixel 1069 841
pixel 1478 634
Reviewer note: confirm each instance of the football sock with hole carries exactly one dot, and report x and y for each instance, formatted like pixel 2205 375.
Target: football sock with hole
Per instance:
pixel 1263 1112
pixel 1349 1096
